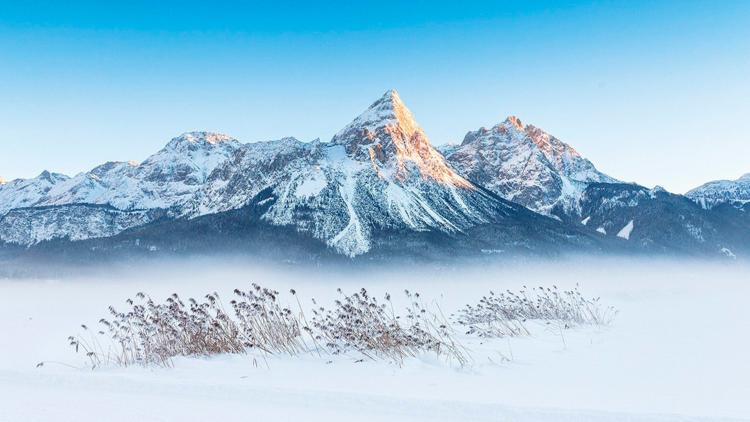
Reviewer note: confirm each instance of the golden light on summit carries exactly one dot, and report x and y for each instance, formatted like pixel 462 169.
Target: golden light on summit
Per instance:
pixel 411 145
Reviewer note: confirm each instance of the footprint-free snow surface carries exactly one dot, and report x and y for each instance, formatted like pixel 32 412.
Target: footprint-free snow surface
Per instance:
pixel 677 351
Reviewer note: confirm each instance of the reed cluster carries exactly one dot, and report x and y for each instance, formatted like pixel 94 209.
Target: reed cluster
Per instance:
pixel 363 323
pixel 505 314
pixel 151 332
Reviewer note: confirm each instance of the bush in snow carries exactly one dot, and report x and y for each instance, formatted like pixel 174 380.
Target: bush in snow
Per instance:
pixel 154 333
pixel 504 314
pixel 360 322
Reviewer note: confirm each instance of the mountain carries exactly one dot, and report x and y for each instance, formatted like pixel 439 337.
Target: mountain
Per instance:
pixel 655 220
pixel 718 192
pixel 126 190
pixel 378 189
pixel 29 226
pixel 164 180
pixel 525 164
pixel 21 193
pixel 378 175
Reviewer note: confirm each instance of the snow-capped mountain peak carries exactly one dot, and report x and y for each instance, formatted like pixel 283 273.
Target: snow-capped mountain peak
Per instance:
pixel 378 173
pixel 514 121
pixel 525 164
pixel 51 177
pixel 164 180
pixel 377 185
pixel 384 129
pixel 388 110
pixel 20 193
pixel 387 136
pixel 198 137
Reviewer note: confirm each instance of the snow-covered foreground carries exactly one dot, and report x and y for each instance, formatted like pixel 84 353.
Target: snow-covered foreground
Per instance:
pixel 677 351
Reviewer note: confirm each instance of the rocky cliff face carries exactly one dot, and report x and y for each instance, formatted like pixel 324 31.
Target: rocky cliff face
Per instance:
pixel 526 165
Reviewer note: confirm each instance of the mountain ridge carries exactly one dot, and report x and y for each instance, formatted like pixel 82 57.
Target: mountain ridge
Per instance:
pixel 376 185
pixel 719 192
pixel 524 164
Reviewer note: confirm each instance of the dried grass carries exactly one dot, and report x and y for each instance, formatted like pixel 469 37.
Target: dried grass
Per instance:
pixel 151 333
pixel 506 314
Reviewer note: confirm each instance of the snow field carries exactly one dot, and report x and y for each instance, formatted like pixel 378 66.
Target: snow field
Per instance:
pixel 675 352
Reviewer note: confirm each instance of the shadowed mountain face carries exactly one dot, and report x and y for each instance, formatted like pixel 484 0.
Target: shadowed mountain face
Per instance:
pixel 654 220
pixel 378 189
pixel 526 165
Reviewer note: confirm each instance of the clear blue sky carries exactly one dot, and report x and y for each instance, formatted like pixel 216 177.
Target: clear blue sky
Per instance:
pixel 652 92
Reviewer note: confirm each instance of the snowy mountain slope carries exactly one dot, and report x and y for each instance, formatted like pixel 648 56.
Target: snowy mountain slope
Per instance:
pixel 379 173
pixel 656 220
pixel 20 193
pixel 29 226
pixel 721 191
pixel 165 180
pixel 524 164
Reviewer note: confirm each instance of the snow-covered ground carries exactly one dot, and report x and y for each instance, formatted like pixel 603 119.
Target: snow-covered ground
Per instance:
pixel 677 351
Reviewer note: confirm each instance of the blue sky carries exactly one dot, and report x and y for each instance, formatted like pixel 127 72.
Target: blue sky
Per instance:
pixel 652 92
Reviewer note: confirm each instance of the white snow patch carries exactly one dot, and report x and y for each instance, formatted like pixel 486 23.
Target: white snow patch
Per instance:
pixel 727 252
pixel 312 186
pixel 352 240
pixel 625 231
pixel 264 201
